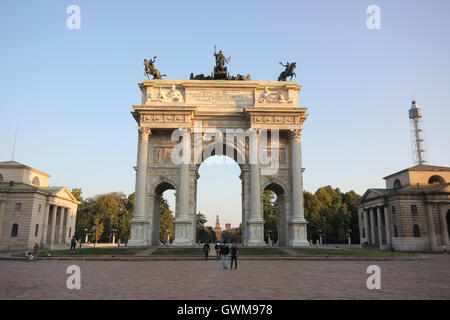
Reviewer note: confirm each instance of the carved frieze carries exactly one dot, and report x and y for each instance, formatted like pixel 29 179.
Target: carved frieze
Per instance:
pixel 274 96
pixel 162 155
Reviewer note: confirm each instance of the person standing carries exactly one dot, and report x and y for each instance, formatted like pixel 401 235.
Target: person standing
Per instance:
pixel 444 248
pixel 35 249
pixel 234 254
pixel 206 250
pixel 217 248
pixel 224 252
pixel 73 243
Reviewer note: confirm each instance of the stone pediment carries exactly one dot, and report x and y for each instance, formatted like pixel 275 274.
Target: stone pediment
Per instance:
pixel 370 194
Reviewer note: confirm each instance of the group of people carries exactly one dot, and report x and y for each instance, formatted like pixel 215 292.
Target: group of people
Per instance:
pixel 223 251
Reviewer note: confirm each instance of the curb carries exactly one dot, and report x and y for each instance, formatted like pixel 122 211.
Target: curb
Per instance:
pixel 201 258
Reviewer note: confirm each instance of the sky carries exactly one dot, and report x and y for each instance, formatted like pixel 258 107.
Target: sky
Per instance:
pixel 69 92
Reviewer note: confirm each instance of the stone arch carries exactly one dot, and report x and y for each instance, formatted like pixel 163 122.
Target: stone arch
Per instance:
pixel 157 191
pixel 397 184
pixel 436 179
pixel 280 191
pixel 239 155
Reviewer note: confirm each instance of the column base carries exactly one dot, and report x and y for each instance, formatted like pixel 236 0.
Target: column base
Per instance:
pixel 139 231
pixel 183 236
pixel 298 234
pixel 256 233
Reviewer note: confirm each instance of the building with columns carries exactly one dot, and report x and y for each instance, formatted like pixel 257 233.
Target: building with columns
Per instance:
pixel 203 118
pixel 412 213
pixel 31 211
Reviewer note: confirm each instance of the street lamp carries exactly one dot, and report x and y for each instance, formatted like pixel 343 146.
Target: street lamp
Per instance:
pixel 268 237
pixel 348 236
pixel 95 228
pixel 324 232
pixel 86 235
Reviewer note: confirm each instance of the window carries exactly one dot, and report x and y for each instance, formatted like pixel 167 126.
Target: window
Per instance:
pixel 70 233
pixel 1 178
pixel 436 180
pixel 14 230
pixel 395 231
pixel 393 209
pixel 35 181
pixel 39 208
pixel 36 230
pixel 416 231
pixel 397 184
pixel 364 232
pixel 18 207
pixel 413 209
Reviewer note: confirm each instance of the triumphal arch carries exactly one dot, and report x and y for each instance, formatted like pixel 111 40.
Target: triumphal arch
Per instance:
pixel 183 122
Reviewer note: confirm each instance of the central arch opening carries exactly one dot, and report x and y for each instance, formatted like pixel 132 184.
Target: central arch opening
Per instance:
pixel 219 200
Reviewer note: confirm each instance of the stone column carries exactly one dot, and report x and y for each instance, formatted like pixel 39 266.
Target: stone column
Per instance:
pixel 139 224
pixel 67 236
pixel 2 214
pixel 53 226
pixel 431 232
pixel 183 221
pixel 256 221
pixel 444 230
pixel 366 225
pixel 380 228
pixel 372 226
pixel 388 228
pixel 45 225
pixel 297 223
pixel 60 224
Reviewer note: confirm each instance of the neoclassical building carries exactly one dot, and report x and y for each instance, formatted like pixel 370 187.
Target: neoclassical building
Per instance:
pixel 31 211
pixel 412 213
pixel 205 118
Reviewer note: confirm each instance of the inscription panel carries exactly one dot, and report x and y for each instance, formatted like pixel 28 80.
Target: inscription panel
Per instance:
pixel 225 96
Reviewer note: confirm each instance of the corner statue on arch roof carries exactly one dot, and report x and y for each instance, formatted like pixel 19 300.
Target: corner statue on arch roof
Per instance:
pixel 151 70
pixel 288 72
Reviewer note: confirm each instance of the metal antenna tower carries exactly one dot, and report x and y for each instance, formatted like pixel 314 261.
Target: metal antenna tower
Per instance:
pixel 417 135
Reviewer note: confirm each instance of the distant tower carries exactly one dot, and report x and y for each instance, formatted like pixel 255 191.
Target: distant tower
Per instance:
pixel 417 135
pixel 217 229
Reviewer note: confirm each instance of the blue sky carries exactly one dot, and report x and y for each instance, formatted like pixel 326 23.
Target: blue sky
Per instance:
pixel 69 92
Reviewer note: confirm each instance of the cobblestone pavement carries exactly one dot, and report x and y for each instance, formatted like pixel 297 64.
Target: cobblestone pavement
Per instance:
pixel 425 279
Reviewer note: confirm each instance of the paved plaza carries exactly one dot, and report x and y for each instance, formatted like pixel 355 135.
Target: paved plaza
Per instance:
pixel 414 279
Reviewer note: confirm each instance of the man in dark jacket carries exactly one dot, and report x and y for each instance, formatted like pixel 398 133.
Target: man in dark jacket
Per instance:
pixel 217 248
pixel 73 243
pixel 234 253
pixel 206 250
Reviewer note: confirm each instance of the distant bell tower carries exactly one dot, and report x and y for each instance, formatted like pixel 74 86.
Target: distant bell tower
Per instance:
pixel 417 135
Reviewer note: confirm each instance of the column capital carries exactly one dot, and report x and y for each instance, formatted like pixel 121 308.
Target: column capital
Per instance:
pixel 295 134
pixel 145 132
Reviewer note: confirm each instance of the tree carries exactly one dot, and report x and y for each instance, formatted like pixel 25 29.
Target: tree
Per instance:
pixel 76 192
pixel 166 222
pixel 270 212
pixel 204 234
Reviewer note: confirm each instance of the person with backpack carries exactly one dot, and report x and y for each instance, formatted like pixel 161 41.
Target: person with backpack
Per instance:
pixel 224 251
pixel 217 248
pixel 206 250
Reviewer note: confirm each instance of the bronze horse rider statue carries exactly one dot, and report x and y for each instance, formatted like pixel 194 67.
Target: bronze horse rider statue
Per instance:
pixel 288 72
pixel 150 69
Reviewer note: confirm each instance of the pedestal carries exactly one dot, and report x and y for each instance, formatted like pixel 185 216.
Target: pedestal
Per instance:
pixel 139 230
pixel 298 233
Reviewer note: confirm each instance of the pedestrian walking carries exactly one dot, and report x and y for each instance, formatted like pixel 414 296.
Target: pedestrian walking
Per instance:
pixel 73 243
pixel 35 249
pixel 206 250
pixel 234 254
pixel 217 248
pixel 224 252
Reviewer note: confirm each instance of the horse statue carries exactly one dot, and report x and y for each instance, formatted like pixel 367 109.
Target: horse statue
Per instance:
pixel 289 72
pixel 151 70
